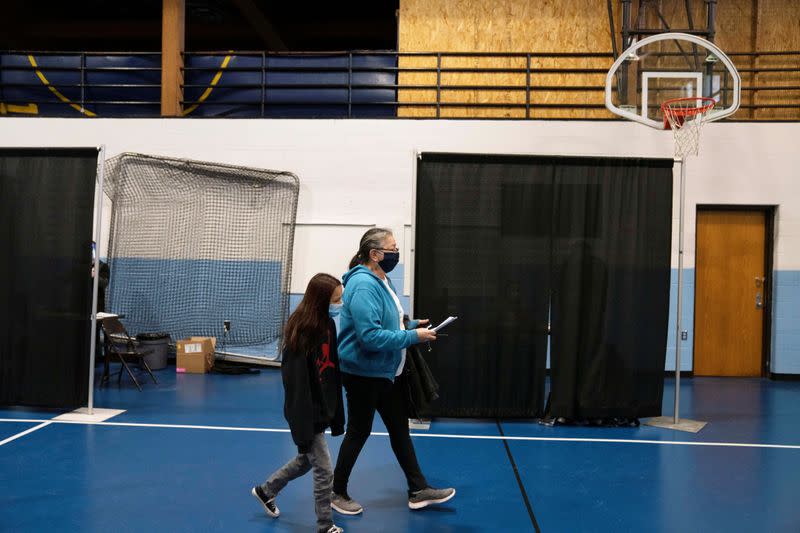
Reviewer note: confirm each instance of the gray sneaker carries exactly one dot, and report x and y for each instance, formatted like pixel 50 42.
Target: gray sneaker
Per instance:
pixel 335 529
pixel 429 496
pixel 345 504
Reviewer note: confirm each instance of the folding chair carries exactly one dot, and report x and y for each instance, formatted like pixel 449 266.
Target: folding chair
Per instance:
pixel 123 347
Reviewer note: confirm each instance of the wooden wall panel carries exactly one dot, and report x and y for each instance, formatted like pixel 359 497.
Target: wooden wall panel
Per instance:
pixel 778 29
pixel 747 26
pixel 736 26
pixel 429 28
pixel 502 26
pixel 574 26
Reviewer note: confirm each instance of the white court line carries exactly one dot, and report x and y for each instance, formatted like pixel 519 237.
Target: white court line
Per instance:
pixel 617 441
pixel 31 430
pixel 139 425
pixel 431 435
pixel 174 426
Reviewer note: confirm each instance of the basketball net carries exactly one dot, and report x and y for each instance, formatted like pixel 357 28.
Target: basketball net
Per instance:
pixel 686 117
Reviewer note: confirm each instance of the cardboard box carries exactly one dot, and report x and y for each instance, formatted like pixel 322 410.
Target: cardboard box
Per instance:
pixel 195 355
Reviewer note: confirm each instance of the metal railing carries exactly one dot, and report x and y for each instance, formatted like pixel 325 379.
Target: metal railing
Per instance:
pixel 354 84
pixel 77 83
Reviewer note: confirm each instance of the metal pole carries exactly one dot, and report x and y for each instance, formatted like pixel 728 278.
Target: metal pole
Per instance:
pixel 350 84
pixel 626 24
pixel 413 248
pixel 710 28
pixel 622 83
pixel 528 86
pixel 613 30
pixel 711 20
pixel 83 80
pixel 263 81
pixel 680 294
pixel 438 82
pixel 101 161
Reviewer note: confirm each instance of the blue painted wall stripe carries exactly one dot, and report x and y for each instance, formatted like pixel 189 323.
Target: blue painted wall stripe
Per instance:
pixel 785 319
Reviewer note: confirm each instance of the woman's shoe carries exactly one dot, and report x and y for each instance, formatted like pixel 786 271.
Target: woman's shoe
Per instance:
pixel 342 503
pixel 429 496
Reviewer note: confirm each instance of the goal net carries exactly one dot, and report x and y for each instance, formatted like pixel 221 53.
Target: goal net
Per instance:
pixel 194 244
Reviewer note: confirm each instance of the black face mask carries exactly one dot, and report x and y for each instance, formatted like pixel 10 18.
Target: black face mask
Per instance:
pixel 389 261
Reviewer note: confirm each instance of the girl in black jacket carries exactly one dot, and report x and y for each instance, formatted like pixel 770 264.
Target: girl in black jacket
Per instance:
pixel 313 386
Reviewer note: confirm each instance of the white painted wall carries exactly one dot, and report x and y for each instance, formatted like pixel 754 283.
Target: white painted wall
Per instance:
pixel 358 173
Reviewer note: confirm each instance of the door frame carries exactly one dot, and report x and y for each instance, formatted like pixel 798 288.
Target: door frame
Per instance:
pixel 769 289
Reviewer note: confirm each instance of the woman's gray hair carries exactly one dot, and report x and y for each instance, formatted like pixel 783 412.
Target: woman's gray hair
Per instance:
pixel 372 240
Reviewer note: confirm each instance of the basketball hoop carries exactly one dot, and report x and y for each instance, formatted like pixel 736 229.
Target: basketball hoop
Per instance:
pixel 638 77
pixel 685 117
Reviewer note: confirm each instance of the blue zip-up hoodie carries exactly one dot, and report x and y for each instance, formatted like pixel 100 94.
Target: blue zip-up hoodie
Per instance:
pixel 370 338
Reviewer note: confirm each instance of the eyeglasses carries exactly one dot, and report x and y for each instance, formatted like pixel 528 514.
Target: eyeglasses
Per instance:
pixel 391 251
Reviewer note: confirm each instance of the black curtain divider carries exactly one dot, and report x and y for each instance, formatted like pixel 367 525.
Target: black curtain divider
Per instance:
pixel 612 226
pixel 483 253
pixel 46 214
pixel 505 242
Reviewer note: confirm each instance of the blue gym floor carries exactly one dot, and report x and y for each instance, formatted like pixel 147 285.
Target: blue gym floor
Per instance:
pixel 186 452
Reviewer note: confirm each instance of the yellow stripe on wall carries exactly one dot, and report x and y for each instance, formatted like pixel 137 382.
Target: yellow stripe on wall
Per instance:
pixel 27 109
pixel 210 87
pixel 56 92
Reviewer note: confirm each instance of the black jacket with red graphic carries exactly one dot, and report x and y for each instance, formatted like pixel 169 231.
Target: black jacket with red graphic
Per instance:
pixel 313 387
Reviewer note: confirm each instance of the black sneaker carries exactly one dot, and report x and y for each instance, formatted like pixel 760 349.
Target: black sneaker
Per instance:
pixel 430 496
pixel 268 503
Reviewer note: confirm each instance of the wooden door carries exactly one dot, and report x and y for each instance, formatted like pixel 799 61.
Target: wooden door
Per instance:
pixel 729 293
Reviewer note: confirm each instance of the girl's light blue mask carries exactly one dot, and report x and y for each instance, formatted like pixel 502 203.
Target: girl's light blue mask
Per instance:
pixel 334 310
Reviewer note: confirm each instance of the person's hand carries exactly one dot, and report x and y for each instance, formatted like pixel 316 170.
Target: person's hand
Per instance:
pixel 426 335
pixel 423 322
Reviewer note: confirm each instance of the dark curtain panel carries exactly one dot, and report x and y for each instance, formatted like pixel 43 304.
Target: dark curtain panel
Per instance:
pixel 612 227
pixel 502 241
pixel 46 212
pixel 483 254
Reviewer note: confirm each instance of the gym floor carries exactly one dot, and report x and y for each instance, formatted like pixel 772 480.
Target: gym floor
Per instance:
pixel 185 453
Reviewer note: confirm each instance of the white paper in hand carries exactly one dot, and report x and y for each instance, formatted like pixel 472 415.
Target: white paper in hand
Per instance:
pixel 445 323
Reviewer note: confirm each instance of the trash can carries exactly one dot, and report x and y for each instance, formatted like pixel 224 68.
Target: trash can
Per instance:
pixel 159 343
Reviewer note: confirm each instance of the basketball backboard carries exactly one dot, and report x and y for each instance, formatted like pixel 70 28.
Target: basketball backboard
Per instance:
pixel 668 66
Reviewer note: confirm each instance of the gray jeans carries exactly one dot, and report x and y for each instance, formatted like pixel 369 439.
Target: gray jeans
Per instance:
pixel 318 458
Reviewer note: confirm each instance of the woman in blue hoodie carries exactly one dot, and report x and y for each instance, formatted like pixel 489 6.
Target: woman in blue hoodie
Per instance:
pixel 372 350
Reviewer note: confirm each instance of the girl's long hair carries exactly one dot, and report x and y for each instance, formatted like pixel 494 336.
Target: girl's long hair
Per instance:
pixel 307 327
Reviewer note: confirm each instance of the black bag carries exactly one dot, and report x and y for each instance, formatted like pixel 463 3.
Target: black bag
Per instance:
pixel 422 386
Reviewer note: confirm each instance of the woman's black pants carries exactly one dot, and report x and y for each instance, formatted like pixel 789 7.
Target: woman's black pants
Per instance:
pixel 365 395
